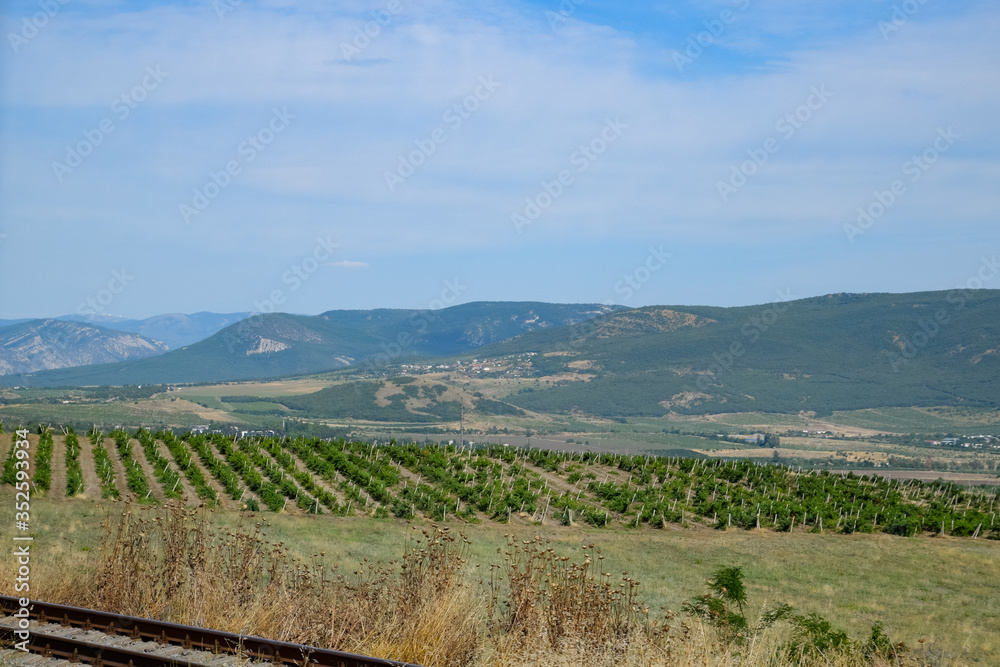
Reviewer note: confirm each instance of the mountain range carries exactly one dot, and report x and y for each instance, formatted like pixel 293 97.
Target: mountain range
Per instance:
pixel 36 345
pixel 279 344
pixel 174 329
pixel 834 352
pixel 28 345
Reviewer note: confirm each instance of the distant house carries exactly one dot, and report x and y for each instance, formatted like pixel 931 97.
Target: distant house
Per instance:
pixel 201 428
pixel 258 434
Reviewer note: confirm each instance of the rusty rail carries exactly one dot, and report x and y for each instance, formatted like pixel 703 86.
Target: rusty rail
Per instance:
pixel 163 633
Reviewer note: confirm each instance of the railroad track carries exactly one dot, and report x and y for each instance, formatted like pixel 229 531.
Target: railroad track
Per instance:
pixel 104 639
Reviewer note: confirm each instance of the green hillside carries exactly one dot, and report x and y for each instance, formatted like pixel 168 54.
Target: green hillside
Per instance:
pixel 282 345
pixel 838 352
pixel 455 330
pixel 357 400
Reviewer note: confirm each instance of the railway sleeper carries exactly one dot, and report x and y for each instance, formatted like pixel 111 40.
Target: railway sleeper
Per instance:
pixel 104 639
pixel 50 644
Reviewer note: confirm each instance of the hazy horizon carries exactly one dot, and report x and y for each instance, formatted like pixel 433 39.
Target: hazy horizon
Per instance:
pixel 209 156
pixel 437 305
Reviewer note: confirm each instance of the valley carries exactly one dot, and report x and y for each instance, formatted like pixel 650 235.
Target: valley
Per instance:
pixel 648 433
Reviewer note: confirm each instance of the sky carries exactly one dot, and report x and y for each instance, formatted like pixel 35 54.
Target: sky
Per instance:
pixel 233 155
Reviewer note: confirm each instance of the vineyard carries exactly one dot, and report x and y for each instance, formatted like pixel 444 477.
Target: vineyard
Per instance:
pixel 494 483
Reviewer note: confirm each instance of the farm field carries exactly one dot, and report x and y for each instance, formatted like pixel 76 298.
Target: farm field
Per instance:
pixel 326 483
pixel 143 412
pixel 966 479
pixel 856 550
pixel 919 420
pixel 186 398
pixel 861 438
pixel 503 334
pixel 852 580
pixel 498 483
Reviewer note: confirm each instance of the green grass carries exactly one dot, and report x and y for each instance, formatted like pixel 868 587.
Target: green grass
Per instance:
pixel 106 414
pixel 206 399
pixel 942 590
pixel 657 424
pixel 742 419
pixel 655 441
pixel 913 420
pixel 257 406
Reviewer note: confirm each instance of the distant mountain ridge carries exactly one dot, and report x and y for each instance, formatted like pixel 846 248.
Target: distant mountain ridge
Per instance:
pixel 38 345
pixel 174 329
pixel 835 352
pixel 278 344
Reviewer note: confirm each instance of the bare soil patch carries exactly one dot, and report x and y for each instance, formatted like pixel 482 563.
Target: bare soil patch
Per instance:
pixel 276 388
pixel 182 406
pixel 763 453
pixel 91 481
pixel 58 488
pixel 387 390
pixel 121 479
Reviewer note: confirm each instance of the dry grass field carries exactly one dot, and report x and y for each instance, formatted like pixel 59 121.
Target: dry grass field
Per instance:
pixel 341 582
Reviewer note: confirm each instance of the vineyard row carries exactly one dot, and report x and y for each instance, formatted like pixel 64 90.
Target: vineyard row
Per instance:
pixel 495 483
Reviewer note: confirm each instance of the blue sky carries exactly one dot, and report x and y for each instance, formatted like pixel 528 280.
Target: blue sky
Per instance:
pixel 239 155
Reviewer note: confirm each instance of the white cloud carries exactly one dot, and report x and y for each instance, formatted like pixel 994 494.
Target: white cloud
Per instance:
pixel 326 171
